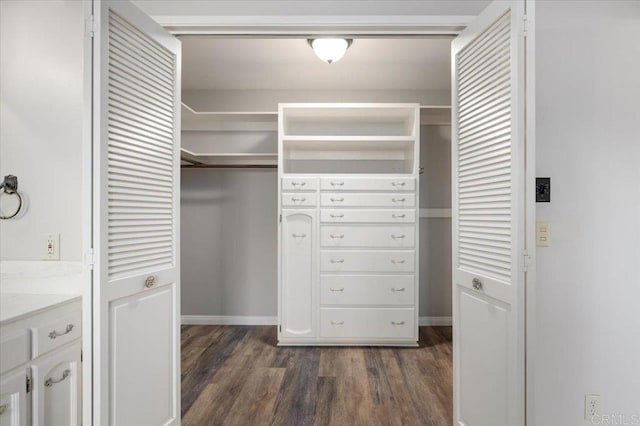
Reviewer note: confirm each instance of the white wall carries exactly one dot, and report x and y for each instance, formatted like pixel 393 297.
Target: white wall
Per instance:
pixel 41 81
pixel 588 142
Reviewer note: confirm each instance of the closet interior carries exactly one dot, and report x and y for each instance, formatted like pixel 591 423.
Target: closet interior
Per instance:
pixel 382 110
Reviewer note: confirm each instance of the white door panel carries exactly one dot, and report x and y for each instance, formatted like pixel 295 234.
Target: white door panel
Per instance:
pixel 13 399
pixel 136 218
pixel 488 218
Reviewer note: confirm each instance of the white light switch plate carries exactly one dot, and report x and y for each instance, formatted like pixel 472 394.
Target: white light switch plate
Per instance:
pixel 52 247
pixel 543 234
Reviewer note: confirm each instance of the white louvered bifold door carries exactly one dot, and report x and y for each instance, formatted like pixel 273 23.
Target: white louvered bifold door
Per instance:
pixel 136 219
pixel 488 219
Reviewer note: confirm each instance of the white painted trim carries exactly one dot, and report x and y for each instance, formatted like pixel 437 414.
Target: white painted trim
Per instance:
pixel 435 321
pixel 435 213
pixel 228 320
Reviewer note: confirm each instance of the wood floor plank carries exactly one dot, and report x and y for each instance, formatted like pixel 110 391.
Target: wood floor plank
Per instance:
pixel 236 375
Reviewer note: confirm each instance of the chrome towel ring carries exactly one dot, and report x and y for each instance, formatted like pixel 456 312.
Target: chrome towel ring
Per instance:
pixel 10 186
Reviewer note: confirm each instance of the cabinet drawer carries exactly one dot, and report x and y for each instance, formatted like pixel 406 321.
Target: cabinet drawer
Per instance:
pixel 297 200
pixel 367 200
pixel 367 216
pixel 367 184
pixel 368 236
pixel 367 290
pixel 299 184
pixel 51 334
pixel 383 323
pixel 367 261
pixel 14 347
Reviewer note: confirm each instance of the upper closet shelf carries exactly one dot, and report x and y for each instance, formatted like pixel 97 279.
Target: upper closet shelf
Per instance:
pixel 240 159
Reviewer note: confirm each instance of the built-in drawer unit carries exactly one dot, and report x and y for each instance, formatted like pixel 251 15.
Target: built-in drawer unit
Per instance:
pixel 299 184
pixel 399 236
pixel 367 261
pixel 367 289
pixel 367 200
pixel 299 200
pixel 56 331
pixel 14 347
pixel 367 323
pixel 367 216
pixel 367 184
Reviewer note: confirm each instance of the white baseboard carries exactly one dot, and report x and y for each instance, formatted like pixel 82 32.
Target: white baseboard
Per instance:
pixel 255 320
pixel 227 320
pixel 435 321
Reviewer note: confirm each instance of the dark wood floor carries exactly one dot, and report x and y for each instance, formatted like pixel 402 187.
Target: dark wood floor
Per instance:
pixel 235 375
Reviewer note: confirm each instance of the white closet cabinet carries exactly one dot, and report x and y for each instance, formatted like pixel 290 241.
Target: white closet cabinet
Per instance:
pixel 13 399
pixel 348 235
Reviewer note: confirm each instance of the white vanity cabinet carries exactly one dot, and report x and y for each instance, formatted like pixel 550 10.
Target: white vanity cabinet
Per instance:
pixel 348 234
pixel 40 362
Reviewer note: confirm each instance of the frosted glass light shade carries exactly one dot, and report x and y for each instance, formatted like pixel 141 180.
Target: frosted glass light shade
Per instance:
pixel 330 49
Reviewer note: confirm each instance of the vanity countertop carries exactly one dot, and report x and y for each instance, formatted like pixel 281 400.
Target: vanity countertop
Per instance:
pixel 14 306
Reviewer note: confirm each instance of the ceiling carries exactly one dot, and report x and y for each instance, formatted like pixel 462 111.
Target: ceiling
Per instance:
pixel 211 63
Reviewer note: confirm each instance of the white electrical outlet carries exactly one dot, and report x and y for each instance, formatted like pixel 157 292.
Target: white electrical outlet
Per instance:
pixel 591 406
pixel 52 247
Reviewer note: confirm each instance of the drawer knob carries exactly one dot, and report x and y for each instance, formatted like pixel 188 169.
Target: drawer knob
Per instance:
pixel 476 283
pixel 398 200
pixel 336 215
pixel 337 183
pixel 397 262
pixel 397 322
pixel 337 261
pixel 397 237
pixel 341 289
pixel 398 184
pixel 398 216
pixel 150 281
pixel 337 200
pixel 296 184
pixel 337 322
pixel 298 235
pixel 295 199
pixel 397 289
pixel 3 409
pixel 55 334
pixel 50 382
pixel 338 236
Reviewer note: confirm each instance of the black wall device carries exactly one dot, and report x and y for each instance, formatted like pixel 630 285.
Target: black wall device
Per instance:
pixel 543 190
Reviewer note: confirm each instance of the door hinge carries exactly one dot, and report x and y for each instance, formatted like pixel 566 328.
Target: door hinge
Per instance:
pixel 526 261
pixel 28 384
pixel 525 25
pixel 280 328
pixel 91 26
pixel 281 218
pixel 89 259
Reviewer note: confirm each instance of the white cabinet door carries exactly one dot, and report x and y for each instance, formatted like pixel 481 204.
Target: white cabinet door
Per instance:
pixel 489 218
pixel 136 175
pixel 56 388
pixel 298 275
pixel 13 399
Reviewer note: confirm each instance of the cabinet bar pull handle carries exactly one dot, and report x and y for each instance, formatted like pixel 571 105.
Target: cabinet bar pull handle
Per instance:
pixel 50 382
pixel 397 322
pixel 298 235
pixel 3 409
pixel 336 215
pixel 397 289
pixel 395 237
pixel 337 322
pixel 396 262
pixel 302 200
pixel 294 184
pixel 337 200
pixel 338 236
pixel 337 261
pixel 54 334
pixel 396 184
pixel 337 289
pixel 398 200
pixel 337 183
pixel 398 216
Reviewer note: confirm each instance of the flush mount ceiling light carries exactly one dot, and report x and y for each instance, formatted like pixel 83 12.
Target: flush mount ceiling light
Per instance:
pixel 330 49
